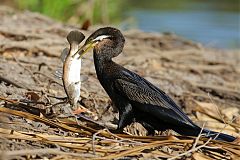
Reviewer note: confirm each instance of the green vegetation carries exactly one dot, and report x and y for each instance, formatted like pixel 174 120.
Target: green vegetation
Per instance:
pixel 112 11
pixel 223 5
pixel 75 11
pixel 55 9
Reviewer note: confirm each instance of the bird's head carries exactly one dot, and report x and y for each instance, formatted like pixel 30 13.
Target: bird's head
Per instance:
pixel 106 41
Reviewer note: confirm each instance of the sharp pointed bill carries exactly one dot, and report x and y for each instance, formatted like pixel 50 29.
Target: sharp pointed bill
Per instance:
pixel 89 45
pixel 83 50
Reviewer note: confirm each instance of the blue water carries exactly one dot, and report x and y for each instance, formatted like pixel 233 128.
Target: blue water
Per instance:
pixel 212 28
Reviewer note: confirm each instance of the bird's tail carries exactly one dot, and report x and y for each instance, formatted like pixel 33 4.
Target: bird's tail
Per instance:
pixel 218 136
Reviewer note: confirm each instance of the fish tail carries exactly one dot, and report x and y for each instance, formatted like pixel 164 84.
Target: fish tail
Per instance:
pixel 75 37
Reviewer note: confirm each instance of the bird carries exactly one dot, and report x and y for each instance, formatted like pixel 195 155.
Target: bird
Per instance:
pixel 136 98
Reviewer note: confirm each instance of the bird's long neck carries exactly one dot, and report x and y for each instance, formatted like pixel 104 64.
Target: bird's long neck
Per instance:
pixel 101 62
pixel 105 69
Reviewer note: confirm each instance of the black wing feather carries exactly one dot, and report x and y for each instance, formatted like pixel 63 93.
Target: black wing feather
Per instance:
pixel 138 89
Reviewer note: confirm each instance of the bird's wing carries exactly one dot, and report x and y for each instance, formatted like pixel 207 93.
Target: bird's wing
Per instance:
pixel 139 90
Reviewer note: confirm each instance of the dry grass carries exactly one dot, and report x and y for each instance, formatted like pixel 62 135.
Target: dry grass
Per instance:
pixel 101 144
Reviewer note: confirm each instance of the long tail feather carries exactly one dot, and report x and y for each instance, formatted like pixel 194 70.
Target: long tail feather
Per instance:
pixel 219 136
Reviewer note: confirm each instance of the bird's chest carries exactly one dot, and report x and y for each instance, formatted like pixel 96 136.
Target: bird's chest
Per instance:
pixel 107 73
pixel 107 76
pixel 107 82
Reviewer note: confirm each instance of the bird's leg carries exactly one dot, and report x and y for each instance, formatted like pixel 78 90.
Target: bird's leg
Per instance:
pixel 125 116
pixel 148 127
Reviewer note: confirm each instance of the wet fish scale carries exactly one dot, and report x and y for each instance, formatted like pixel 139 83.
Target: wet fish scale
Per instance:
pixel 72 68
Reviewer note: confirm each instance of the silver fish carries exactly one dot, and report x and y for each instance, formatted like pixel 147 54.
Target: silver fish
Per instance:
pixel 72 68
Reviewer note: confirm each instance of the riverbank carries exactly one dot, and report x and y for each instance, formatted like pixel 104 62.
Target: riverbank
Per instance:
pixel 203 81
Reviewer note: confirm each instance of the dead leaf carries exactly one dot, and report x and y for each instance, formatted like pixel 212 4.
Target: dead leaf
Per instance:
pixel 32 96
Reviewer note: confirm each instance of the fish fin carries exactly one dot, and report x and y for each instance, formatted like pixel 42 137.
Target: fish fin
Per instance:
pixel 75 37
pixel 58 73
pixel 83 78
pixel 64 54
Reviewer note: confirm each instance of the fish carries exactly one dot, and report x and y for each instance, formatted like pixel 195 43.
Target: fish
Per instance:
pixel 71 71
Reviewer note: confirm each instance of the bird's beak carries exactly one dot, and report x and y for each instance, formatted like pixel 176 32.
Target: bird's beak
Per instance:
pixel 84 49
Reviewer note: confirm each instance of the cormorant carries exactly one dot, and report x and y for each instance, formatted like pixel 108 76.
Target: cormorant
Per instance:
pixel 135 97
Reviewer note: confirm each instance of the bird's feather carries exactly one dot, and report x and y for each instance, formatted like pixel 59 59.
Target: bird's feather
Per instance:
pixel 138 90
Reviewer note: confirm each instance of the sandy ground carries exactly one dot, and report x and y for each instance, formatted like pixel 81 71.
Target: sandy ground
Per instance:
pixel 203 81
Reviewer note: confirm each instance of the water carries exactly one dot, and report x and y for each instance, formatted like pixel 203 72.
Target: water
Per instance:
pixel 212 28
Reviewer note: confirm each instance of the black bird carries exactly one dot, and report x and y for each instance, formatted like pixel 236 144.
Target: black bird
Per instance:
pixel 135 97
